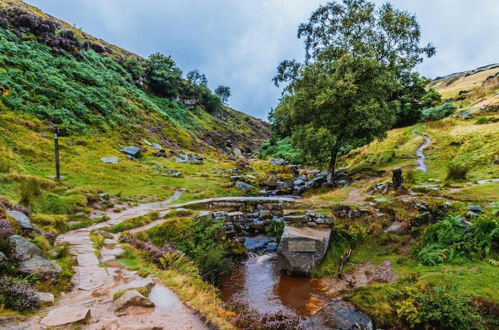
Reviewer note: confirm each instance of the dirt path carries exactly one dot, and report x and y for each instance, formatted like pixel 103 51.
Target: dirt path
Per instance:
pixel 91 299
pixel 419 152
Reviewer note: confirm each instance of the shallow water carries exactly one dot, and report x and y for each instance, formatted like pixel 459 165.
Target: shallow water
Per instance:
pixel 259 284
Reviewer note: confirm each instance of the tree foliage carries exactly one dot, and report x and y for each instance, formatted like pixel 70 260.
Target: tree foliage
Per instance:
pixel 357 78
pixel 197 78
pixel 223 92
pixel 163 76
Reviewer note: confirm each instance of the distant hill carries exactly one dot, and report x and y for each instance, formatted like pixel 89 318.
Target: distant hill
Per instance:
pixel 476 87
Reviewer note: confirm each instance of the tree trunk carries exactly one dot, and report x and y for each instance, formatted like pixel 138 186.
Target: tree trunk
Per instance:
pixel 332 167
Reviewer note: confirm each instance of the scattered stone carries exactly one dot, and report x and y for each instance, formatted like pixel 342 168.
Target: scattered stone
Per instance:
pixel 158 147
pixel 301 249
pixel 182 157
pixel 174 173
pixel 131 298
pixel 471 214
pixel 3 259
pixel 278 161
pixel 339 314
pixel 243 186
pixel 110 160
pixel 397 179
pixel 66 315
pixel 396 227
pixel 104 197
pixel 46 297
pixel 475 208
pixel 41 267
pixel 131 152
pixel 22 219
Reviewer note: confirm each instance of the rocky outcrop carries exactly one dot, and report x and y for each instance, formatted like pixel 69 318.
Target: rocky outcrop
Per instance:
pixel 182 157
pixel 339 314
pixel 32 260
pixel 301 250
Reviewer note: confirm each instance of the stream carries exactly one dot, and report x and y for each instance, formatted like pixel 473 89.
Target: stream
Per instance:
pixel 419 152
pixel 259 283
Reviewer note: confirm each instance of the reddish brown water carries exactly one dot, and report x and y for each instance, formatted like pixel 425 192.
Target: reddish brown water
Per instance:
pixel 259 284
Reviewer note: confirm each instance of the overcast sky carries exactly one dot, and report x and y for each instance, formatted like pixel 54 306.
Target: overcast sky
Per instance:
pixel 238 43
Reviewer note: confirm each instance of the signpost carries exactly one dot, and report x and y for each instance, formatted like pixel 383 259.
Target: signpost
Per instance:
pixel 56 150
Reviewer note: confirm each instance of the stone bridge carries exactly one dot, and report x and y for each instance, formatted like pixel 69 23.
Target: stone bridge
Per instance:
pixel 305 237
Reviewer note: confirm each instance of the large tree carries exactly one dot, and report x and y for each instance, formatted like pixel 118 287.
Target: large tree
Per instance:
pixel 359 62
pixel 163 76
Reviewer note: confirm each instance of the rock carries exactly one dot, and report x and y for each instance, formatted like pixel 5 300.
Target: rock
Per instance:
pixel 131 298
pixel 396 227
pixel 174 173
pixel 40 267
pixel 278 161
pixel 475 208
pixel 46 297
pixel 104 197
pixel 182 157
pixel 110 160
pixel 66 315
pixel 471 214
pixel 339 314
pixel 301 249
pixel 133 152
pixel 158 147
pixel 397 179
pixel 23 249
pixel 237 152
pixel 22 219
pixel 3 259
pixel 243 186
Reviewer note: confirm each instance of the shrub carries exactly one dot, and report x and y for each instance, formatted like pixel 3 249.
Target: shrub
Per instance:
pixel 443 308
pixel 250 319
pixel 281 149
pixel 457 171
pixel 17 295
pixel 28 190
pixel 451 238
pixel 5 228
pixel 438 113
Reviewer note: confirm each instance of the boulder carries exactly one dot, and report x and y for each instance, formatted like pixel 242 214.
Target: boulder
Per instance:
pixel 258 243
pixel 157 147
pixel 132 298
pixel 397 179
pixel 278 161
pixel 131 152
pixel 339 314
pixel 23 249
pixel 110 160
pixel 46 297
pixel 396 227
pixel 22 219
pixel 475 208
pixel 243 186
pixel 302 248
pixel 40 267
pixel 182 157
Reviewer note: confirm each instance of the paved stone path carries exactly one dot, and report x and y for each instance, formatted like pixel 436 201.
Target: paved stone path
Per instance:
pixel 90 302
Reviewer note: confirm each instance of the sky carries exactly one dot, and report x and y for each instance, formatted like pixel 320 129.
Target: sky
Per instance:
pixel 239 43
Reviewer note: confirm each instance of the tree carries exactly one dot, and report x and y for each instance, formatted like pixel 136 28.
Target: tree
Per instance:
pixel 223 92
pixel 197 78
pixel 163 76
pixel 359 59
pixel 135 67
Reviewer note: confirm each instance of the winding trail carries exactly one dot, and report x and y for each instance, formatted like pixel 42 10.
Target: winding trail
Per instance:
pixel 419 152
pixel 91 299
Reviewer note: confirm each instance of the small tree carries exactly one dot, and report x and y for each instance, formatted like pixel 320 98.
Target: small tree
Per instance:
pixel 197 78
pixel 358 61
pixel 163 76
pixel 223 92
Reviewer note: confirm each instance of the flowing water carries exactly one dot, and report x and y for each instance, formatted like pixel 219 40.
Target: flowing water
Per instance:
pixel 259 284
pixel 419 152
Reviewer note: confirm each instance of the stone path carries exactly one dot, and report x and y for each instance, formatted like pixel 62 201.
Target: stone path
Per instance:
pixel 90 302
pixel 419 152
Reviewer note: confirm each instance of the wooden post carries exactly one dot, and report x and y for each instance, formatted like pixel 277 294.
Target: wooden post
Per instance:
pixel 56 151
